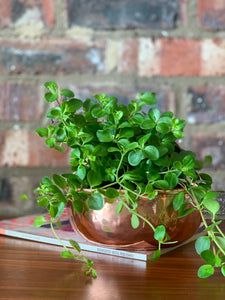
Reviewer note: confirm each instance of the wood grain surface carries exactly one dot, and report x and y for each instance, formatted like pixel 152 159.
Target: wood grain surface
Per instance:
pixel 30 270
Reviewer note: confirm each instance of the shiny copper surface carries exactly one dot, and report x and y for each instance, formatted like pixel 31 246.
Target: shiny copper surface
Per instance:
pixel 103 226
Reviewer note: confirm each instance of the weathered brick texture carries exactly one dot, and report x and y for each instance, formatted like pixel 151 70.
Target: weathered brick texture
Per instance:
pixel 55 56
pixel 11 188
pixel 124 14
pixel 210 144
pixel 23 12
pixel 212 14
pixel 120 47
pixel 207 104
pixel 20 102
pixel 23 148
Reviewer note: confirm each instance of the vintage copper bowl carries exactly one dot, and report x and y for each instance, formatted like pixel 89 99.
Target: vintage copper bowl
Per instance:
pixel 103 226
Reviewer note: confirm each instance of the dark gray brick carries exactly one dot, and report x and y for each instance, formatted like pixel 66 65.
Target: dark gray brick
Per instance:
pixel 124 14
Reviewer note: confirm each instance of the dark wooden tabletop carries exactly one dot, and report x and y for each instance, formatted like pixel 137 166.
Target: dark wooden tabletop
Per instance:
pixel 31 270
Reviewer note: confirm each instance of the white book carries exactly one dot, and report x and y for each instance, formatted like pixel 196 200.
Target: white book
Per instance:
pixel 23 228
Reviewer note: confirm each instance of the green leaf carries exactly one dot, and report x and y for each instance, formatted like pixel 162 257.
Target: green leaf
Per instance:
pixel 112 193
pixel 202 244
pixel 73 105
pixel 160 233
pixel 94 178
pixel 54 113
pixel 211 195
pixel 208 256
pixel 147 124
pixel 119 207
pixel 81 172
pixel 208 159
pixel 95 201
pixel 75 153
pixel 178 124
pixel 177 165
pixel 188 162
pixel 60 207
pixel 148 98
pixel 60 181
pixel 156 255
pixel 46 180
pixel 42 132
pixel 172 179
pixel 104 136
pixel 223 270
pixel 59 148
pixel 184 212
pixel 113 149
pixel 52 86
pixel 135 157
pixel 75 245
pixel 58 223
pixel 60 135
pixel 163 128
pixel 134 221
pixel 98 112
pixel 212 205
pixel 144 139
pixel 78 205
pixel 178 201
pixel 50 142
pixel 67 93
pixel 154 114
pixel 151 152
pixel 205 271
pixel 126 132
pixel 161 184
pixel 51 97
pixel 138 119
pixel 39 221
pixel 178 134
pixel 23 197
pixel 67 254
pixel 42 201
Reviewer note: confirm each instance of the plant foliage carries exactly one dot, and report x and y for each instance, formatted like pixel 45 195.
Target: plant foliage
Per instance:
pixel 118 147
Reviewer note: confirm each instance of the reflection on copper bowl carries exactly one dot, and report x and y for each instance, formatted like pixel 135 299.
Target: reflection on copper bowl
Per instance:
pixel 103 226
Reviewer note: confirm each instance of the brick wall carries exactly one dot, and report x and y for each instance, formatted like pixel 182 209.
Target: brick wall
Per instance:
pixel 175 48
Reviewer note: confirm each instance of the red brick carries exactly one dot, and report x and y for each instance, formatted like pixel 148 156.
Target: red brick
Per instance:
pixel 180 57
pixel 5 13
pixel 51 56
pixel 20 12
pixel 211 14
pixel 207 104
pixel 48 12
pixel 210 144
pixel 20 102
pixel 213 57
pixel 22 148
pixel 41 155
pixel 128 56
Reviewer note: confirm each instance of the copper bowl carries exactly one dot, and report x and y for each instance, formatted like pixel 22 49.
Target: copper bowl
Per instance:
pixel 103 226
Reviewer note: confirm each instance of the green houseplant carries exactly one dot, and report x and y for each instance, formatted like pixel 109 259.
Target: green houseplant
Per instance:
pixel 117 148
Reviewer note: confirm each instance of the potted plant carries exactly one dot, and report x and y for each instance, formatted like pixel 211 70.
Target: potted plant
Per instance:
pixel 124 157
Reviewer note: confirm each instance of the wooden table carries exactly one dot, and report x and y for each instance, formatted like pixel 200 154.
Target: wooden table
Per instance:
pixel 30 270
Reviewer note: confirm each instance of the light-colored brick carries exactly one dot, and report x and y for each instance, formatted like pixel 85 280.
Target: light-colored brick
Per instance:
pixel 213 57
pixel 149 57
